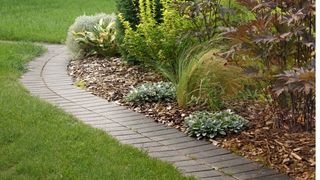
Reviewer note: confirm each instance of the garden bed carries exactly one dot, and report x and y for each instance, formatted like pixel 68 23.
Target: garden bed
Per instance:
pixel 291 153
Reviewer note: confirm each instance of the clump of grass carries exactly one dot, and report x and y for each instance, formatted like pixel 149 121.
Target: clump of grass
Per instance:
pixel 206 78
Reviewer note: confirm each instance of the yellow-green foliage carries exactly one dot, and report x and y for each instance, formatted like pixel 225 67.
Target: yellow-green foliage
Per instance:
pixel 207 78
pixel 153 43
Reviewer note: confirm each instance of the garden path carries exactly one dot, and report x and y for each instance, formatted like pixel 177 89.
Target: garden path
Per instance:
pixel 47 78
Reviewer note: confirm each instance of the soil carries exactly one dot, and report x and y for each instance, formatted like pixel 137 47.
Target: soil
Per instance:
pixel 291 153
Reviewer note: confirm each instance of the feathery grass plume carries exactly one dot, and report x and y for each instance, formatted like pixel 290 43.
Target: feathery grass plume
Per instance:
pixel 204 77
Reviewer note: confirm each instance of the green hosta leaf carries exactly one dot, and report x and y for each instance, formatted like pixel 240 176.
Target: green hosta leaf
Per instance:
pixel 99 39
pixel 209 125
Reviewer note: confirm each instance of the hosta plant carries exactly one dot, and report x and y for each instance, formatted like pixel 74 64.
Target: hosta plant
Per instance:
pixel 99 41
pixel 152 92
pixel 204 124
pixel 91 35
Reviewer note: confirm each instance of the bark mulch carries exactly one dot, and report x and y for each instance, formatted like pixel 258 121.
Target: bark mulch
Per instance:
pixel 291 153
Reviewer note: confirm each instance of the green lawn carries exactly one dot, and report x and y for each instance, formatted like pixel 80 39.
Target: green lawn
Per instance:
pixel 45 20
pixel 40 141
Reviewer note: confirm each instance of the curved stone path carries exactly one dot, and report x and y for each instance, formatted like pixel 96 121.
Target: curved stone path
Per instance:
pixel 48 79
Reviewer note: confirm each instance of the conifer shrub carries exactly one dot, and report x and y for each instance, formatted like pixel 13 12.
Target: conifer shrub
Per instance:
pixel 156 44
pixel 129 11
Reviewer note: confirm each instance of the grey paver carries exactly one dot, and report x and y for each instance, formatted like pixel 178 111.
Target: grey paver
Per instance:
pixel 187 144
pixel 147 145
pixel 232 162
pixel 219 158
pixel 163 154
pixel 108 124
pixel 255 174
pixel 123 119
pixel 161 131
pixel 275 177
pixel 120 115
pixel 152 129
pixel 87 116
pixel 225 177
pixel 202 148
pixel 111 129
pixel 211 153
pixel 143 125
pixel 104 108
pixel 83 112
pixel 122 133
pixel 129 136
pixel 206 174
pixel 242 168
pixel 176 141
pixel 197 168
pixel 134 122
pixel 48 79
pixel 136 141
pixel 175 158
pixel 96 118
pixel 159 149
pixel 188 163
pixel 114 111
pixel 169 136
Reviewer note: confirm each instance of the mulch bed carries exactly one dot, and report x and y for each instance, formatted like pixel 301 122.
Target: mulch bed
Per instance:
pixel 291 153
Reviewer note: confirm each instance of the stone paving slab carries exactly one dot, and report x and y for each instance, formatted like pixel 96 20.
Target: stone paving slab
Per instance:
pixel 47 78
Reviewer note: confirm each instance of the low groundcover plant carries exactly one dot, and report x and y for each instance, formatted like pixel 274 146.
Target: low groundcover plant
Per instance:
pixel 203 124
pixel 152 92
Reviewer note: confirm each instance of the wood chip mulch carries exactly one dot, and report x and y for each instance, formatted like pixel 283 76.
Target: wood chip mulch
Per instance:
pixel 291 153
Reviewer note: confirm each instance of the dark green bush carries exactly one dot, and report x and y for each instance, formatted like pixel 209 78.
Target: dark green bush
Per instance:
pixel 129 10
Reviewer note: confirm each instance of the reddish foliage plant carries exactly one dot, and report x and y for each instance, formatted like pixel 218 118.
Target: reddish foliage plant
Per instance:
pixel 282 37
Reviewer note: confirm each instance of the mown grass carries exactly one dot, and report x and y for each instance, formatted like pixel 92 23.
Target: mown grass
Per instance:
pixel 45 20
pixel 40 141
